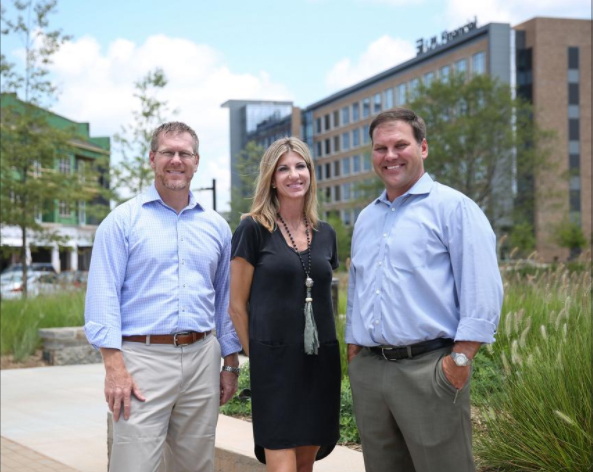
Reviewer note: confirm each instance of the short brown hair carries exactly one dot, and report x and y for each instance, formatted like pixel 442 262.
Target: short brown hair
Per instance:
pixel 173 127
pixel 401 114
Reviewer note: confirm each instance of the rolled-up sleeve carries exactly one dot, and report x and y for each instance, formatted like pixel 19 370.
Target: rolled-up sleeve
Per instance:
pixel 472 246
pixel 225 331
pixel 106 276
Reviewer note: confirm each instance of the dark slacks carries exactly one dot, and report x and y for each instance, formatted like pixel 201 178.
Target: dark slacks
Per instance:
pixel 406 416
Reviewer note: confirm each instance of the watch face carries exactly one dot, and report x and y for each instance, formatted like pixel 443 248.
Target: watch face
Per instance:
pixel 460 359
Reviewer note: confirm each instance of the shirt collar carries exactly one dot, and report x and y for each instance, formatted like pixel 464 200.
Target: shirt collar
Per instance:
pixel 152 195
pixel 422 186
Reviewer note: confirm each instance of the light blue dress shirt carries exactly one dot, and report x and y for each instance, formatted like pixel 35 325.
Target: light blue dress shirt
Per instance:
pixel 423 267
pixel 154 271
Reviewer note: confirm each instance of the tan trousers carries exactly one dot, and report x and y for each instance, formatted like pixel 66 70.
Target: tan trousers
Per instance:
pixel 182 390
pixel 406 416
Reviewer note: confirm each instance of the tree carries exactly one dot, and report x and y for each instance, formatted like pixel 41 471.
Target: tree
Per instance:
pixel 483 141
pixel 248 170
pixel 31 146
pixel 134 173
pixel 569 234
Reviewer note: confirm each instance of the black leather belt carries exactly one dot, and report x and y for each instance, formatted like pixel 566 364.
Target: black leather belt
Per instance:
pixel 395 353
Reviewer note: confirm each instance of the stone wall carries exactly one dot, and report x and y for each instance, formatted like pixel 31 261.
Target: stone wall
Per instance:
pixel 67 346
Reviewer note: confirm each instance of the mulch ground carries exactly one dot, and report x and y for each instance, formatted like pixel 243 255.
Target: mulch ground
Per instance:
pixel 36 360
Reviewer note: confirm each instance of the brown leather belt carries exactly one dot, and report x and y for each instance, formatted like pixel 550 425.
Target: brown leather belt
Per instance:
pixel 178 339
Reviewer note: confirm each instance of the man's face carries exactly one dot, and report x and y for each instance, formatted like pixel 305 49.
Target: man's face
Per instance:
pixel 397 158
pixel 174 172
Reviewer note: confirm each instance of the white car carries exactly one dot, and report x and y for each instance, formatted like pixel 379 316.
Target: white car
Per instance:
pixel 11 285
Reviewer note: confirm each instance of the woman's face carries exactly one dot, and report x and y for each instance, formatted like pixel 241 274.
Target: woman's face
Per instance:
pixel 291 177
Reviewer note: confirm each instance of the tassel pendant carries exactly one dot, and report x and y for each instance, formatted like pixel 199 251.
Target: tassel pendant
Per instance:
pixel 311 337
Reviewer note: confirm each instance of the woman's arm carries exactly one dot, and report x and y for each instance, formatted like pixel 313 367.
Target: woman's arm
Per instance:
pixel 241 278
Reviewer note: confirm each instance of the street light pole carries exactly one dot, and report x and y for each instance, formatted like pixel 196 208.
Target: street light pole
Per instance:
pixel 213 188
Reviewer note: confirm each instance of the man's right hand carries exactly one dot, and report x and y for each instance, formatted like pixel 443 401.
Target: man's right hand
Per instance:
pixel 353 350
pixel 119 385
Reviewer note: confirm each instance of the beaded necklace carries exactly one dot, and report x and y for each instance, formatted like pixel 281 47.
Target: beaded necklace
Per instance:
pixel 311 337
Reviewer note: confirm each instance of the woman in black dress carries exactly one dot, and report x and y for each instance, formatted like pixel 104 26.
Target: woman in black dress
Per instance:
pixel 280 304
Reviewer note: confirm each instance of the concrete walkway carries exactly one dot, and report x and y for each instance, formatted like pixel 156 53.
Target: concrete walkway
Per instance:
pixel 57 417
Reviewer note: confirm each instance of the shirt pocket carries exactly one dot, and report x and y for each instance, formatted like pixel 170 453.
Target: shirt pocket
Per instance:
pixel 408 248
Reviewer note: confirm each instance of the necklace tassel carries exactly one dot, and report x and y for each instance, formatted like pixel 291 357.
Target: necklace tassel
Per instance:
pixel 311 337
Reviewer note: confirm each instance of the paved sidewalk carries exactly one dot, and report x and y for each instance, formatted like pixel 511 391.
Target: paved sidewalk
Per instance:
pixel 18 458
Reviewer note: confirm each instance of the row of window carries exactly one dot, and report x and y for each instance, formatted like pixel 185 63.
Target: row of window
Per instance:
pixel 388 99
pixel 343 142
pixel 574 137
pixel 349 165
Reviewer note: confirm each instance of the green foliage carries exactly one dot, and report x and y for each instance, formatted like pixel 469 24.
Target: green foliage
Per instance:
pixel 134 173
pixel 477 163
pixel 348 428
pixel 237 406
pixel 22 318
pixel 522 237
pixel 537 389
pixel 248 171
pixel 343 237
pixel 31 146
pixel 570 235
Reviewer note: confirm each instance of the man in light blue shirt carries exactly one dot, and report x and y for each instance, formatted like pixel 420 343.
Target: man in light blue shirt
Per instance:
pixel 158 286
pixel 424 293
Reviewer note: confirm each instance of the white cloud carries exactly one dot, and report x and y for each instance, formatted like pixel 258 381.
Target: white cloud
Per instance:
pixel 97 87
pixel 382 54
pixel 488 11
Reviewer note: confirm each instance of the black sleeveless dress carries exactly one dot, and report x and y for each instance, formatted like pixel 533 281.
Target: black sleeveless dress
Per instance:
pixel 295 396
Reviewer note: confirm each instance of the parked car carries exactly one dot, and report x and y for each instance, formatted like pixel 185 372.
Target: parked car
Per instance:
pixel 34 267
pixel 11 285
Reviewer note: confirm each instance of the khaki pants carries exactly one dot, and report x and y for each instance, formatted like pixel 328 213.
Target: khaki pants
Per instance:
pixel 182 390
pixel 406 415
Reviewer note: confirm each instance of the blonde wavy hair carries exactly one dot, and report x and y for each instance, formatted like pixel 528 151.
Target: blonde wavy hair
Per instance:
pixel 265 201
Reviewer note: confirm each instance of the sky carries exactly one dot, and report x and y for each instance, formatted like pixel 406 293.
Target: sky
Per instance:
pixel 211 52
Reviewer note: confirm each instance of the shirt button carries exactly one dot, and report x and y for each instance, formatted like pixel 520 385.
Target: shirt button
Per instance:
pixel 376 322
pixel 384 235
pixel 393 209
pixel 380 262
pixel 377 292
pixel 183 285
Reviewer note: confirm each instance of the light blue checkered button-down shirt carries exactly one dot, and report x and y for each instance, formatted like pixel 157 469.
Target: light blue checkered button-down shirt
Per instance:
pixel 154 271
pixel 423 267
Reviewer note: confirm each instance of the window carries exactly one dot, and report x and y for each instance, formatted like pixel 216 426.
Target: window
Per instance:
pixel 575 161
pixel 328 195
pixel 327 147
pixel 574 111
pixel 81 213
pixel 337 196
pixel 428 78
pixel 319 172
pixel 356 137
pixel 81 168
pixel 64 208
pixel 574 129
pixel 346 217
pixel 355 164
pixel 336 143
pixel 327 123
pixel 355 111
pixel 336 119
pixel 414 85
pixel 479 63
pixel 461 66
pixel 318 125
pixel 377 103
pixel 345 141
pixel 445 73
pixel 64 165
pixel 346 192
pixel 388 99
pixel 575 200
pixel 367 165
pixel 328 171
pixel 319 149
pixel 336 168
pixel 366 108
pixel 400 94
pixel 345 115
pixel 573 58
pixel 365 134
pixel 346 166
pixel 573 94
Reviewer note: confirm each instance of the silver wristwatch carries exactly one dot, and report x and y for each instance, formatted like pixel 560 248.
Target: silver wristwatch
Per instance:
pixel 234 370
pixel 460 359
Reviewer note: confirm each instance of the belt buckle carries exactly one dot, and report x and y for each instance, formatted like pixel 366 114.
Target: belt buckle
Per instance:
pixel 176 343
pixel 383 349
